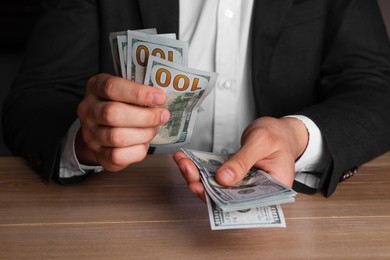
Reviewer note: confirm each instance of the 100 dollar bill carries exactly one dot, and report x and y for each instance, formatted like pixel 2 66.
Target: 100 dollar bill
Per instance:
pixel 141 46
pixel 186 88
pixel 267 216
pixel 118 43
pixel 257 189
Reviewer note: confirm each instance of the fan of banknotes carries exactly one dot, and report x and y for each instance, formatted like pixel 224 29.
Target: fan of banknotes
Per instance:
pixel 159 60
pixel 254 202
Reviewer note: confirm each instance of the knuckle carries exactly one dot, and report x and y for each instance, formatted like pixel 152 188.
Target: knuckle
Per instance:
pixel 82 109
pixel 142 151
pixel 109 113
pixel 91 82
pixel 114 159
pixel 90 140
pixel 150 134
pixel 138 94
pixel 269 137
pixel 109 87
pixel 154 118
pixel 266 136
pixel 242 165
pixel 114 137
pixel 141 94
pixel 87 136
pixel 117 158
pixel 94 84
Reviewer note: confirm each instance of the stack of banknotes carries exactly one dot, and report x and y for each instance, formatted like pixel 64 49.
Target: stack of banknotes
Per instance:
pixel 254 202
pixel 159 60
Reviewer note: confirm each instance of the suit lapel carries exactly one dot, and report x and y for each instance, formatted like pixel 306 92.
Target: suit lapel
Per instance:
pixel 163 15
pixel 267 23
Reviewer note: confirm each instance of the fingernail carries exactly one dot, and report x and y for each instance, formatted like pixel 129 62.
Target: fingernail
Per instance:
pixel 164 116
pixel 226 174
pixel 158 98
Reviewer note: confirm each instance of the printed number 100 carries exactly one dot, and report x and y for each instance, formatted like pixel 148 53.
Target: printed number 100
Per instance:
pixel 142 54
pixel 179 82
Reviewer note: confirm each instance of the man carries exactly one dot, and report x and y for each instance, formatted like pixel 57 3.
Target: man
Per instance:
pixel 306 71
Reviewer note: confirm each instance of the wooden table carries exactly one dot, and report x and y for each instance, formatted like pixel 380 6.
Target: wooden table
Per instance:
pixel 146 212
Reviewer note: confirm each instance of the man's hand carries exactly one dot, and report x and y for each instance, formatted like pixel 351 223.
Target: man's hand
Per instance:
pixel 270 144
pixel 118 120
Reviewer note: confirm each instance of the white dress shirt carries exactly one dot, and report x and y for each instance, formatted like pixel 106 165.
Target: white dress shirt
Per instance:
pixel 218 32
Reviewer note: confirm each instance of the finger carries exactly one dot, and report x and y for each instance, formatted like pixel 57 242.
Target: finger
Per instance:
pixel 115 159
pixel 280 165
pixel 178 156
pixel 197 189
pixel 120 137
pixel 113 88
pixel 119 114
pixel 237 166
pixel 187 168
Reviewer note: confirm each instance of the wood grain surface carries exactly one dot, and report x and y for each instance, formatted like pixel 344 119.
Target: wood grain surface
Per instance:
pixel 146 212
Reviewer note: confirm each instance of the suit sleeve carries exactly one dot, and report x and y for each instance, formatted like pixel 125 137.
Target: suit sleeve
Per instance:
pixel 61 54
pixel 354 90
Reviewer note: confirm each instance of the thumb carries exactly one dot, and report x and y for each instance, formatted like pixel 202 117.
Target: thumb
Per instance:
pixel 236 167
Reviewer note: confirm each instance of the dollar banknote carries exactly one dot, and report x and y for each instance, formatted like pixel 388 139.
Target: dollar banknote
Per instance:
pixel 257 189
pixel 115 50
pixel 185 88
pixel 118 44
pixel 141 46
pixel 258 217
pixel 122 50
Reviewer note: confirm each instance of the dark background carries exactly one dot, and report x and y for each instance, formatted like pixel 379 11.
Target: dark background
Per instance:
pixel 17 17
pixel 16 20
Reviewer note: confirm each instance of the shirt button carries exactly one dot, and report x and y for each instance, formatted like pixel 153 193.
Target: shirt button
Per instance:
pixel 229 13
pixel 227 84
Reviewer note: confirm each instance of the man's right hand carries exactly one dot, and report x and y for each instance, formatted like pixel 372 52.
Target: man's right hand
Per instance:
pixel 118 120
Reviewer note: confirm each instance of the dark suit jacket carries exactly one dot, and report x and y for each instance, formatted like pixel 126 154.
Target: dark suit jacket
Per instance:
pixel 326 59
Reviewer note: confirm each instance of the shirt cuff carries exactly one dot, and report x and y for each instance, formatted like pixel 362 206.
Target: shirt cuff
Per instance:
pixel 316 156
pixel 69 165
pixel 313 162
